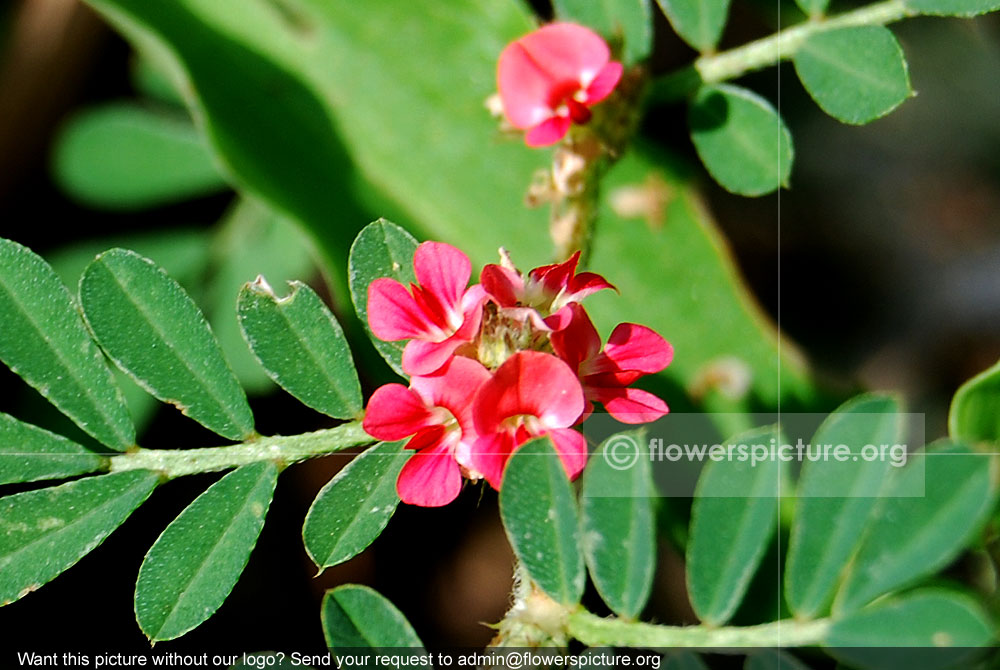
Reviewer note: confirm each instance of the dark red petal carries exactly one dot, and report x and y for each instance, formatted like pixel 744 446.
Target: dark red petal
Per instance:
pixel 604 83
pixel 490 454
pixel 395 412
pixel 548 132
pixel 444 271
pixel 503 285
pixel 556 277
pixel 630 405
pixel 529 383
pixel 586 283
pixel 577 341
pixel 392 312
pixel 431 478
pixel 633 347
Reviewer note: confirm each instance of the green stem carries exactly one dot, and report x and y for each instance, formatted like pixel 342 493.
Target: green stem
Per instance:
pixel 712 69
pixel 595 631
pixel 285 450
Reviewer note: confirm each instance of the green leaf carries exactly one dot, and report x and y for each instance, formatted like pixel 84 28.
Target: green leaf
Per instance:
pixel 741 139
pixel 930 511
pixel 355 506
pixel 301 345
pixel 195 563
pixel 975 409
pixel 254 240
pixel 125 157
pixel 699 22
pixel 356 617
pixel 953 7
pixel 539 513
pixel 382 249
pixel 44 341
pixel 152 329
pixel 44 532
pixel 28 454
pixel 618 530
pixel 627 21
pixel 835 500
pixel 855 74
pixel 928 628
pixel 813 8
pixel 734 514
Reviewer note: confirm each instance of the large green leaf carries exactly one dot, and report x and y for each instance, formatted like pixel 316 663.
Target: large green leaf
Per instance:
pixel 44 340
pixel 925 629
pixel 44 532
pixel 382 249
pixel 734 514
pixel 618 529
pixel 195 563
pixel 128 157
pixel 953 7
pixel 357 617
pixel 835 500
pixel 628 21
pixel 355 506
pixel 539 513
pixel 930 511
pixel 153 330
pixel 975 409
pixel 855 74
pixel 741 138
pixel 699 22
pixel 28 453
pixel 302 347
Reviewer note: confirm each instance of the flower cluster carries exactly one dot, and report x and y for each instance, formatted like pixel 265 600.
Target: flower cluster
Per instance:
pixel 550 78
pixel 493 365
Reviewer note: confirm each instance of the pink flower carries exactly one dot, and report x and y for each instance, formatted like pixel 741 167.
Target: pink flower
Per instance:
pixel 549 289
pixel 531 395
pixel 437 411
pixel 631 352
pixel 551 77
pixel 437 315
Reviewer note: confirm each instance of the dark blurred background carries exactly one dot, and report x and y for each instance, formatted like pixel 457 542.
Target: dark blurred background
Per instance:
pixel 884 257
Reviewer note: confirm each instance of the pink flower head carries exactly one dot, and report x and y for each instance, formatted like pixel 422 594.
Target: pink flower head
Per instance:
pixel 551 77
pixel 531 395
pixel 631 352
pixel 549 289
pixel 438 314
pixel 437 411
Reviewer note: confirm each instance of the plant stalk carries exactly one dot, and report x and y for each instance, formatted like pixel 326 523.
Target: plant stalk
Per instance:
pixel 285 450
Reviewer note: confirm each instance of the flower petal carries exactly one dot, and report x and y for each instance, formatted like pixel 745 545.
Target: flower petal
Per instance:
pixel 503 285
pixel 392 312
pixel 431 478
pixel 572 449
pixel 395 412
pixel 578 340
pixel 567 52
pixel 605 81
pixel 525 87
pixel 444 271
pixel 635 348
pixel 555 277
pixel 586 283
pixel 454 387
pixel 629 405
pixel 548 132
pixel 490 454
pixel 529 383
pixel 422 357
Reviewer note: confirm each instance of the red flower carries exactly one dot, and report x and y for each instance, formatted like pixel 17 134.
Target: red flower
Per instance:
pixel 531 395
pixel 551 77
pixel 549 289
pixel 437 315
pixel 437 411
pixel 631 352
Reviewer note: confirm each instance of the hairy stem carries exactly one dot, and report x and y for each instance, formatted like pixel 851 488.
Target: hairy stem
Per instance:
pixel 767 51
pixel 593 631
pixel 281 449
